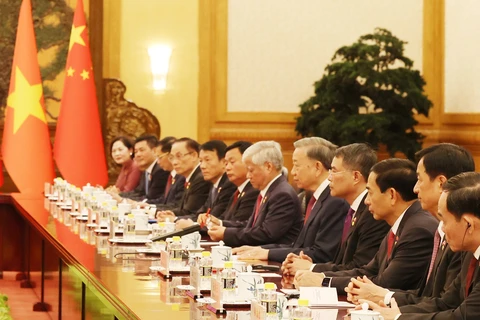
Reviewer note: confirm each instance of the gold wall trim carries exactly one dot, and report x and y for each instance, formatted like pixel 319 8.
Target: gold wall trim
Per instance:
pixel 214 119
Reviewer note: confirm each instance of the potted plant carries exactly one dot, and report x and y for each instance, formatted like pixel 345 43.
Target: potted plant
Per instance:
pixel 368 93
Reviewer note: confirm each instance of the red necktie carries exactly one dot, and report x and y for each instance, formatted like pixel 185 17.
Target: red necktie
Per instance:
pixel 347 224
pixel 471 270
pixel 235 198
pixel 436 244
pixel 390 241
pixel 309 209
pixel 169 184
pixel 257 208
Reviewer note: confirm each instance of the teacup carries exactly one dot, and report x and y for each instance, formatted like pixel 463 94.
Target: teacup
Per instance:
pixel 247 283
pixel 191 241
pixel 365 315
pixel 220 254
pixel 240 266
pixel 141 221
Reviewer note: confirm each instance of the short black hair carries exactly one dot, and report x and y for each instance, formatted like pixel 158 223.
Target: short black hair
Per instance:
pixel 215 145
pixel 125 140
pixel 150 139
pixel 446 159
pixel 240 145
pixel 463 194
pixel 191 144
pixel 358 156
pixel 166 143
pixel 399 174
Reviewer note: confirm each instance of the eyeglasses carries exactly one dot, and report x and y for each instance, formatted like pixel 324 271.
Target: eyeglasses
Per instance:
pixel 163 155
pixel 178 156
pixel 331 172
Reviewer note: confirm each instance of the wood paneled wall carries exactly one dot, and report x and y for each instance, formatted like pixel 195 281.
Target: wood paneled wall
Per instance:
pixel 215 122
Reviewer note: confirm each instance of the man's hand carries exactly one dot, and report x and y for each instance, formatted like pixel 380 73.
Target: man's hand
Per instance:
pixel 364 289
pixel 305 278
pixel 387 313
pixel 251 253
pixel 162 216
pixel 142 205
pixel 203 220
pixel 216 233
pixel 183 223
pixel 293 263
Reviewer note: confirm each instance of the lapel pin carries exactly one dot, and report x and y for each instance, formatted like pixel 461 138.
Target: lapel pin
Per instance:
pixel 242 194
pixel 354 221
pixel 264 199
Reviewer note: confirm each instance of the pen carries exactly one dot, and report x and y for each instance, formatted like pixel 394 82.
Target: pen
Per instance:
pixel 207 216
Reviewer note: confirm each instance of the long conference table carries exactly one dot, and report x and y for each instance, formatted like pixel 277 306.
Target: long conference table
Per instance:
pixel 89 278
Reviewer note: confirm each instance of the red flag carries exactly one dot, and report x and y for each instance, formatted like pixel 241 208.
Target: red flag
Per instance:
pixel 27 153
pixel 78 149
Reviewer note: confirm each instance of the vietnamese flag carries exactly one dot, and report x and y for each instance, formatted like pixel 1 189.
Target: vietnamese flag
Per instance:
pixel 26 149
pixel 78 149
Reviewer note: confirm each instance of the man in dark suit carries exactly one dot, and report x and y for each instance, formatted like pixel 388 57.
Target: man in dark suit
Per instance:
pixel 212 164
pixel 325 214
pixel 240 206
pixel 277 216
pixel 153 179
pixel 361 233
pixel 459 210
pixel 185 161
pixel 175 184
pixel 405 252
pixel 436 164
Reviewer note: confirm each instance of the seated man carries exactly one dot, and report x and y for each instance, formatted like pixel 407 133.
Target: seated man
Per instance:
pixel 325 214
pixel 405 252
pixel 175 184
pixel 240 206
pixel 361 234
pixel 277 216
pixel 212 164
pixel 184 159
pixel 459 210
pixel 153 179
pixel 436 164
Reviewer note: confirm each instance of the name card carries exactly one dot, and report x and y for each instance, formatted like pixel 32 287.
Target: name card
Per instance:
pixel 164 262
pixel 195 279
pixel 217 293
pixel 258 312
pixel 319 296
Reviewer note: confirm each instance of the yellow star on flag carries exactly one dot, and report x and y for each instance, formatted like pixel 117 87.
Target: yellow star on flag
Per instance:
pixel 25 100
pixel 84 74
pixel 76 36
pixel 70 72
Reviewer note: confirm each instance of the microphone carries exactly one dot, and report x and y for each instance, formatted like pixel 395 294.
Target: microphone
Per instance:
pixel 182 232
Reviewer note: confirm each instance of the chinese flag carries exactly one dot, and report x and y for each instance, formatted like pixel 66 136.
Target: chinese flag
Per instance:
pixel 26 149
pixel 78 149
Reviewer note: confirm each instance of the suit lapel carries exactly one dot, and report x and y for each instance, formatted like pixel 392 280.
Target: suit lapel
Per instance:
pixel 189 186
pixel 266 198
pixel 410 212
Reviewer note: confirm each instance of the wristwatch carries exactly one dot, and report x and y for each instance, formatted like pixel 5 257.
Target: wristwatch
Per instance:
pixel 326 282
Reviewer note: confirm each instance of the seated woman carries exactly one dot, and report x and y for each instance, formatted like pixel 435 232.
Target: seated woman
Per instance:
pixel 122 153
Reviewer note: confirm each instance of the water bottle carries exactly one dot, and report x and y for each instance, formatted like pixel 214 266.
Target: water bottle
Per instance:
pixel 268 299
pixel 228 280
pixel 175 249
pixel 303 312
pixel 129 228
pixel 206 271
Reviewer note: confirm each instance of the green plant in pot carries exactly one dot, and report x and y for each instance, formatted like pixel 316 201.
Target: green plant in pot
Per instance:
pixel 368 93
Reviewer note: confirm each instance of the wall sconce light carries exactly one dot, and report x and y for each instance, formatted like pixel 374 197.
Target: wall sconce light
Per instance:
pixel 159 62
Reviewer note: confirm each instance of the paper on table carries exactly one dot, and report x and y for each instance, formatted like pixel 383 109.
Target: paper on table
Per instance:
pixel 319 295
pixel 268 274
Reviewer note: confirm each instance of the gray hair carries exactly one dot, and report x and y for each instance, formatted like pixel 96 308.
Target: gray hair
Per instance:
pixel 318 149
pixel 265 151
